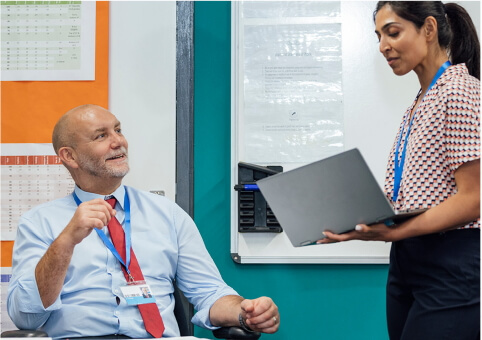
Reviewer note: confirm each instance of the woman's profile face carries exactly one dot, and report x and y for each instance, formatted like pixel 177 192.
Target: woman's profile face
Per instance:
pixel 403 46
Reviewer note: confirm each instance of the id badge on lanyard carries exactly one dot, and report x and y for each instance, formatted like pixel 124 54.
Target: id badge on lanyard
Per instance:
pixel 137 293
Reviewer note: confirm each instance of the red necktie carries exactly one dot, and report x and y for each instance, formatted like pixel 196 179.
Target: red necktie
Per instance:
pixel 149 311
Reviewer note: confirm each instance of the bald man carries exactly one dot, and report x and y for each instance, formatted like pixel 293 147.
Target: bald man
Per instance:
pixel 72 282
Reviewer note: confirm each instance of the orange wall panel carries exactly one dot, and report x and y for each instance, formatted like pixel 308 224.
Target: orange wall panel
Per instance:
pixel 30 109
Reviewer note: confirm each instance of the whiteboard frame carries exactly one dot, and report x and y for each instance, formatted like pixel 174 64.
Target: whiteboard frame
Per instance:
pixel 380 102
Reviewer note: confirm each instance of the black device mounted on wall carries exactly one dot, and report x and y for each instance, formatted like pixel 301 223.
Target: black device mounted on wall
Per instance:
pixel 254 214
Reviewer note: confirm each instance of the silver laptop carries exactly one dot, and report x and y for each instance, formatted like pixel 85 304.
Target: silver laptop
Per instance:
pixel 335 193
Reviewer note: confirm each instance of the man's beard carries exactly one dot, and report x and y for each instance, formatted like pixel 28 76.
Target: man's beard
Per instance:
pixel 100 168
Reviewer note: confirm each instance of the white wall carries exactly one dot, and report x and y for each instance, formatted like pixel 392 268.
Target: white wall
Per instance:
pixel 473 8
pixel 142 89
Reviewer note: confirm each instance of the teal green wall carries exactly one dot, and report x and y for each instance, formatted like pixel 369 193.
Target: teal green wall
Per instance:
pixel 315 301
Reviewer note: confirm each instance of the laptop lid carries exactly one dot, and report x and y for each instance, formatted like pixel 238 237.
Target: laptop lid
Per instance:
pixel 335 193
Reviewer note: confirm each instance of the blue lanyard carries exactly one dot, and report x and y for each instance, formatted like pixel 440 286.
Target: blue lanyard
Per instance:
pixel 400 164
pixel 127 232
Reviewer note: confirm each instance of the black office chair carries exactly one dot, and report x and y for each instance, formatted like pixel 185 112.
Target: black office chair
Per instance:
pixel 183 312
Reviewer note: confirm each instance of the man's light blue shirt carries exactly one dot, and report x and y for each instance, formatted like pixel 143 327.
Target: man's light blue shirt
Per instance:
pixel 168 247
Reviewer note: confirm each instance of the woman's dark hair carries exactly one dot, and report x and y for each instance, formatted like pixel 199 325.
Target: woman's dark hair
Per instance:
pixel 456 31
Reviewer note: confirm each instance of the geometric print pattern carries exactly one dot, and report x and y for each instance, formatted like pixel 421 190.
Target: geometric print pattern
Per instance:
pixel 445 134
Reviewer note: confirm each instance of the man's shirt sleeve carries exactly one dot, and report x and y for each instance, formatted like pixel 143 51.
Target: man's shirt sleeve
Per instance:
pixel 24 305
pixel 197 275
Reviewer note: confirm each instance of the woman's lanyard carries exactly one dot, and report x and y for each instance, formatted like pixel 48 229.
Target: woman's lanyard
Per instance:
pixel 127 232
pixel 400 164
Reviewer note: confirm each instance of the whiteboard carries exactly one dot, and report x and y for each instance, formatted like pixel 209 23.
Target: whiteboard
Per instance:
pixel 374 100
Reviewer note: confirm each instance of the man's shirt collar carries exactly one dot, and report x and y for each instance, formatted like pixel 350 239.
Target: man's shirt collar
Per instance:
pixel 85 196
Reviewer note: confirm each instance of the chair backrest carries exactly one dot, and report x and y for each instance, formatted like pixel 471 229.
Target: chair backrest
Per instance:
pixel 17 333
pixel 183 311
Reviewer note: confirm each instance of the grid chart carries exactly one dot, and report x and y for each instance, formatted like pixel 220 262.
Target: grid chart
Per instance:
pixel 28 181
pixel 41 35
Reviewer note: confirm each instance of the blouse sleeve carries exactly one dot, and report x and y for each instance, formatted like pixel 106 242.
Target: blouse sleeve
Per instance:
pixel 462 125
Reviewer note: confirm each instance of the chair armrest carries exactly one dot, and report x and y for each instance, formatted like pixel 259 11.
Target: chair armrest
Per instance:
pixel 235 333
pixel 24 333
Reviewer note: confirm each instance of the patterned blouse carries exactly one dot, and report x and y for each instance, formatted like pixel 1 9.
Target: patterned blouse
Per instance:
pixel 445 134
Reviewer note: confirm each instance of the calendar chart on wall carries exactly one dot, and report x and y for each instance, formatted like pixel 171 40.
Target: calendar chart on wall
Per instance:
pixel 31 174
pixel 48 40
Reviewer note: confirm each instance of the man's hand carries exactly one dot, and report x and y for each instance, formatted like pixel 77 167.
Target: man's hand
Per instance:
pixel 52 267
pixel 261 314
pixel 89 215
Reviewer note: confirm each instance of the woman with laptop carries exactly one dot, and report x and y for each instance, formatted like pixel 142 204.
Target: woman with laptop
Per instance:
pixel 433 288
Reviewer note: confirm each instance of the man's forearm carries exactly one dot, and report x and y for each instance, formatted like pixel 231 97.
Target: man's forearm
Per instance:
pixel 225 311
pixel 51 270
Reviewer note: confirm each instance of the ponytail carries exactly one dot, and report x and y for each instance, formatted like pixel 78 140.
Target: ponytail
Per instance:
pixel 464 45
